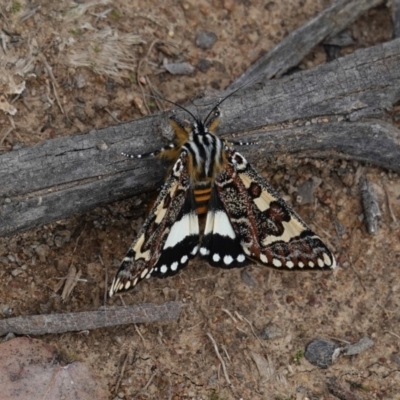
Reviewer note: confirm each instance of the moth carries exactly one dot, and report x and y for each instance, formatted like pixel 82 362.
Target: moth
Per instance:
pixel 246 219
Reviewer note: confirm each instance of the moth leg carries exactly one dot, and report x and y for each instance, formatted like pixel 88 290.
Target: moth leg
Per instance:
pixel 151 153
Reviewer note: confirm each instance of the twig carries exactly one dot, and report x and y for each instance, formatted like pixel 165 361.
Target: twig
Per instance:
pixel 72 279
pixel 149 381
pixel 339 340
pixel 250 324
pixel 194 326
pixel 9 130
pixel 73 276
pixel 356 273
pixel 105 281
pixel 226 352
pixel 396 18
pixel 220 359
pixel 155 94
pixel 394 334
pixel 139 66
pixel 30 13
pixel 112 115
pixel 395 223
pixel 121 374
pixel 112 316
pixel 230 314
pixel 53 80
pixel 140 334
pixel 372 212
pixel 149 18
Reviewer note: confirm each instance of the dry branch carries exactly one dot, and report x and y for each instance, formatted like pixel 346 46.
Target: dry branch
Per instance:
pixel 289 53
pixel 339 109
pixel 81 321
pixel 396 18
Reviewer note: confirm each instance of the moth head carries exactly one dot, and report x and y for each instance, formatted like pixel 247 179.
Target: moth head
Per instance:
pixel 212 120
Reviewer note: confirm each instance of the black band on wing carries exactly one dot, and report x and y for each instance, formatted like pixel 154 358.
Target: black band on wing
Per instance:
pixel 220 245
pixel 182 242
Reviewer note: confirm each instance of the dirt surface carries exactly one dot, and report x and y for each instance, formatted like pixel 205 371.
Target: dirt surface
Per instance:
pixel 80 63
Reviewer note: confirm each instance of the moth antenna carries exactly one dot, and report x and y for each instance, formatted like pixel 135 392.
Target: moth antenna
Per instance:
pixel 173 103
pixel 227 97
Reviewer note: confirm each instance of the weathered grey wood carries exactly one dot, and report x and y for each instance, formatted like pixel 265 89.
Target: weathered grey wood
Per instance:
pixel 339 107
pixel 81 321
pixel 291 50
pixel 396 18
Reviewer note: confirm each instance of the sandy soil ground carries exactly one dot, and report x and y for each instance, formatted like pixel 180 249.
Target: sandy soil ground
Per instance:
pixel 80 63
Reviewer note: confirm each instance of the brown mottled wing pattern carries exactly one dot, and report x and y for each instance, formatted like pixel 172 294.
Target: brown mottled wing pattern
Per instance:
pixel 269 230
pixel 169 237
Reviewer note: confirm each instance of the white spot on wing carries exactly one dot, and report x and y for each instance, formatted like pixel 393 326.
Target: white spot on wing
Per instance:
pixel 228 260
pixel 127 285
pixel 194 251
pixel 163 269
pixel 216 257
pixel 204 251
pixel 144 273
pixel 240 258
pixel 327 259
pixel 290 264
pixel 174 266
pixel 276 262
pixel 184 259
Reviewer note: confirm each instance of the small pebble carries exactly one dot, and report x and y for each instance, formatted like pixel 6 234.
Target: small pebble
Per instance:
pixel 100 103
pixel 204 65
pixel 5 310
pixel 305 192
pixel 271 332
pixel 79 80
pixel 247 278
pixel 371 207
pixel 102 145
pixel 17 271
pixel 42 251
pixel 206 40
pixel 356 348
pixel 322 353
pixel 179 68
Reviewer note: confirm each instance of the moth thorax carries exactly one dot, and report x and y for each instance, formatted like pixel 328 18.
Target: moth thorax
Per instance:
pixel 206 153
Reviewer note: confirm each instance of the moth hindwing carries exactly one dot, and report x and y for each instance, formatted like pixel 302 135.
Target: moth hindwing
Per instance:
pixel 246 219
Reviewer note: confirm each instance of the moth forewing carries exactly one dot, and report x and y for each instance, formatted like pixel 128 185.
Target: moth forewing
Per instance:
pixel 271 232
pixel 172 204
